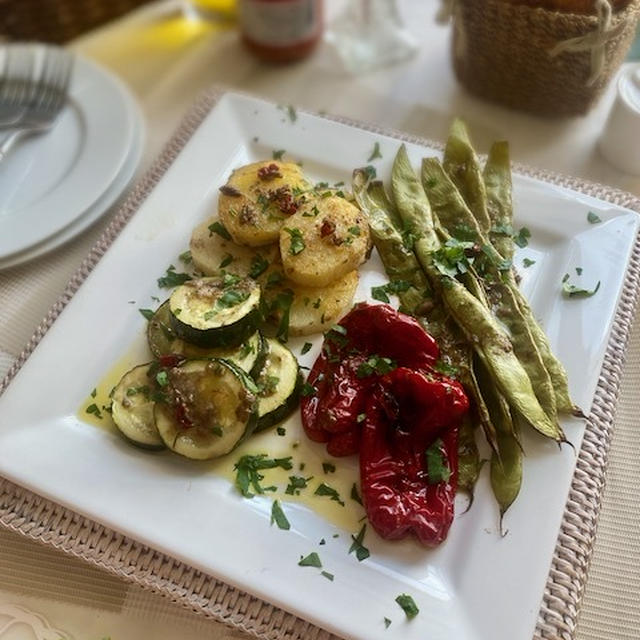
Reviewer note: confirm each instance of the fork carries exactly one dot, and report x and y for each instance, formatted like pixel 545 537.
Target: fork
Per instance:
pixel 47 98
pixel 17 84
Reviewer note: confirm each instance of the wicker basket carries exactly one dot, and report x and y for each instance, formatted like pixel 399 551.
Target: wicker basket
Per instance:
pixel 57 20
pixel 504 52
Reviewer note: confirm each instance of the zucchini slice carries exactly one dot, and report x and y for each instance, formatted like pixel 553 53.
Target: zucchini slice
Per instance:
pixel 163 341
pixel 217 409
pixel 216 312
pixel 279 385
pixel 132 408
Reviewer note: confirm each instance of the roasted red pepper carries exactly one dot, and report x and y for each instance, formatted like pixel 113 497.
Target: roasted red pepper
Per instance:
pixel 406 415
pixel 373 390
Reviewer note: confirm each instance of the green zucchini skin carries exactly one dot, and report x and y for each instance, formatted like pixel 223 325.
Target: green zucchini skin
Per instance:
pixel 163 341
pixel 199 316
pixel 132 409
pixel 222 424
pixel 276 401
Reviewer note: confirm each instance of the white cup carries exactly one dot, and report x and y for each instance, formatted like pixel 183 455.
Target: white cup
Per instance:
pixel 620 140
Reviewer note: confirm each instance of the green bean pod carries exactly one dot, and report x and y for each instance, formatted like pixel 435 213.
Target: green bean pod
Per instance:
pixel 453 215
pixel 505 470
pixel 463 167
pixel 498 186
pixel 476 322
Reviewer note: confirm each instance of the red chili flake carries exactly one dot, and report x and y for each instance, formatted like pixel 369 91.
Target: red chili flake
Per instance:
pixel 284 200
pixel 228 190
pixel 269 172
pixel 327 228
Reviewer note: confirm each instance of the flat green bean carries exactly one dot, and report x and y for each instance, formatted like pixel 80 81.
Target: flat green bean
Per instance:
pixel 497 181
pixel 455 217
pixel 463 167
pixel 476 322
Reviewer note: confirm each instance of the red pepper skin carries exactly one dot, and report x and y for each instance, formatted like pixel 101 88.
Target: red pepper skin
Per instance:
pixel 346 396
pixel 380 329
pixel 428 402
pixel 394 479
pixel 310 404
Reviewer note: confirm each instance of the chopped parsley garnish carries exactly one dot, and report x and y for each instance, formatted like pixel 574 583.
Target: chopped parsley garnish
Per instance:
pixel 394 287
pixel 328 467
pixel 185 257
pixel 446 369
pixel 355 230
pixel 375 153
pixel 216 429
pixel 305 348
pixel 307 390
pixel 325 490
pixel 274 279
pixel 248 472
pixel 571 291
pixel 231 298
pixel 522 237
pixel 322 541
pixel 312 560
pixel 355 494
pixel 526 262
pixel 327 575
pixel 277 154
pixel 296 484
pixel 437 468
pixel 291 112
pixel 226 260
pixel 147 313
pixel 281 431
pixel 370 172
pixel 220 229
pixel 579 271
pixel 387 622
pixel 297 241
pixel 362 553
pixel 277 516
pixel 408 605
pixel 259 265
pixel 134 391
pixel 162 378
pixel 268 384
pixel 565 277
pixel 173 279
pixel 94 409
pixel 282 304
pixel 361 417
pixel 375 364
pixel 454 257
pixel 502 230
pixel 593 218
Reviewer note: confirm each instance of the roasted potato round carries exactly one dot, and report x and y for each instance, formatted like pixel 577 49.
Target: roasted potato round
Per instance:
pixel 326 239
pixel 258 198
pixel 212 252
pixel 312 309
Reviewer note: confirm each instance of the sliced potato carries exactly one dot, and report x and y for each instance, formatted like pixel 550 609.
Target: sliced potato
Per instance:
pixel 258 198
pixel 326 239
pixel 211 252
pixel 314 309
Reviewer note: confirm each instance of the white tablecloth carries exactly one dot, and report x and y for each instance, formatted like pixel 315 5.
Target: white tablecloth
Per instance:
pixel 166 61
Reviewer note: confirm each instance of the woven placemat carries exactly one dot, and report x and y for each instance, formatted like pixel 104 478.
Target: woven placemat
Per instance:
pixel 34 517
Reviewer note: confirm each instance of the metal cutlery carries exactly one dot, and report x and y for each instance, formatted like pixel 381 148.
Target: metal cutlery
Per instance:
pixel 34 84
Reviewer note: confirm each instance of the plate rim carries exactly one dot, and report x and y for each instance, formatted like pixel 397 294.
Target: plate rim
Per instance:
pixel 558 613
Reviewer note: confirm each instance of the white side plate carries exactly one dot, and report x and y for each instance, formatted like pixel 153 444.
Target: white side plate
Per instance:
pixel 477 585
pixel 49 180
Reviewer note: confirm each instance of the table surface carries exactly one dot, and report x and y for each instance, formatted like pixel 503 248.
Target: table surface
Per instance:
pixel 175 59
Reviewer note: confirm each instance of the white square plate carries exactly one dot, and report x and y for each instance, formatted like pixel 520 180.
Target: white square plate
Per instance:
pixel 478 584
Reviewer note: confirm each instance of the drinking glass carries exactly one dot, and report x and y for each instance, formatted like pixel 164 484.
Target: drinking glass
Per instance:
pixel 370 34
